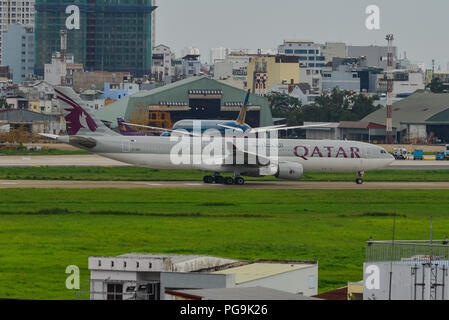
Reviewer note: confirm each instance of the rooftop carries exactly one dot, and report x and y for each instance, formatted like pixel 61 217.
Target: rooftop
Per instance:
pixel 255 271
pixel 420 107
pixel 250 293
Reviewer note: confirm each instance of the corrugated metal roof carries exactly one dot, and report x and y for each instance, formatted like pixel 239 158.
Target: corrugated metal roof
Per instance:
pixel 421 106
pixel 251 293
pixel 179 91
pixel 20 115
pixel 256 271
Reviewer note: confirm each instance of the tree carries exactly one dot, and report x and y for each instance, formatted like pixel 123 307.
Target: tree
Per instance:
pixel 336 106
pixel 437 86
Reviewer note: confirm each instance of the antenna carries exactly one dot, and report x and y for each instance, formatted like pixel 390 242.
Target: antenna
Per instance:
pixel 391 259
pixel 431 240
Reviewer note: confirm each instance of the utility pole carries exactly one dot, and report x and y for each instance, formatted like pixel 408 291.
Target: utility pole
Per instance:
pixel 389 130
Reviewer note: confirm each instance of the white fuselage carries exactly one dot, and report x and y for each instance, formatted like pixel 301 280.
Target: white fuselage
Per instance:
pixel 313 155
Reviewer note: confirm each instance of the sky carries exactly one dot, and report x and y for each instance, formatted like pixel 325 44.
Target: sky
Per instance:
pixel 420 27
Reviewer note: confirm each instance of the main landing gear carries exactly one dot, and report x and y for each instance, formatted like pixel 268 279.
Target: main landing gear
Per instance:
pixel 224 180
pixel 359 179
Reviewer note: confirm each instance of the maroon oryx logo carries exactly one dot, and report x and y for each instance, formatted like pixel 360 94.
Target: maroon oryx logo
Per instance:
pixel 77 118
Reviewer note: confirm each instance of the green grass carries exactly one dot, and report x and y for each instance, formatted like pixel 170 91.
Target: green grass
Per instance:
pixel 143 174
pixel 43 231
pixel 43 152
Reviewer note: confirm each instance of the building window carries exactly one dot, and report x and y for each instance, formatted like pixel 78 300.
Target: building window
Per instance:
pixel 115 291
pixel 311 282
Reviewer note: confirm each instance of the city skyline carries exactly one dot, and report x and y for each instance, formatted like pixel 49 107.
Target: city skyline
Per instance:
pixel 320 21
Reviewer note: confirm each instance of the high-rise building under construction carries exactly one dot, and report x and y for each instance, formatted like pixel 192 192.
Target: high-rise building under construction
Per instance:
pixel 109 35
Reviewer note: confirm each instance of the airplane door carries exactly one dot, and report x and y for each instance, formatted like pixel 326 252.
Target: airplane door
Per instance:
pixel 126 146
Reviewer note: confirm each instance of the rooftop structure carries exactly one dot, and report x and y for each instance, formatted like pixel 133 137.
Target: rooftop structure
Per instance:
pixel 251 293
pixel 419 117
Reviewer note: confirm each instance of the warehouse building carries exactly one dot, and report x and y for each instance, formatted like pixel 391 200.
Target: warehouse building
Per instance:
pixel 102 35
pixel 420 118
pixel 32 122
pixel 155 276
pixel 347 130
pixel 192 98
pixel 295 277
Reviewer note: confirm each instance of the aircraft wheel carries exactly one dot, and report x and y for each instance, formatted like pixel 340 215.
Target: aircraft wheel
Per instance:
pixel 359 181
pixel 228 180
pixel 208 179
pixel 219 180
pixel 239 181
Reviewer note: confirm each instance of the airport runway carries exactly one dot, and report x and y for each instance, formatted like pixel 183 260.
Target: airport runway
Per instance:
pixel 94 160
pixel 282 185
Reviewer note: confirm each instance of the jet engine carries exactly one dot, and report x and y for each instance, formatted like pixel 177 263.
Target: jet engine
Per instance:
pixel 290 170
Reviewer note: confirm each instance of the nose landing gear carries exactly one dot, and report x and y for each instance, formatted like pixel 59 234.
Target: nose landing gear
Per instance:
pixel 359 179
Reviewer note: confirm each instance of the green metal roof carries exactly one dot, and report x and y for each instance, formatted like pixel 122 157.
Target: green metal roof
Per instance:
pixel 179 92
pixel 420 107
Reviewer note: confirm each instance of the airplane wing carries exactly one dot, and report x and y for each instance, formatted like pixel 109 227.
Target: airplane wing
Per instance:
pixel 162 129
pixel 51 136
pixel 267 129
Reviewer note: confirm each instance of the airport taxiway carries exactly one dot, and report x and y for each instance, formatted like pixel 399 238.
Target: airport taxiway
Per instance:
pixel 259 185
pixel 95 160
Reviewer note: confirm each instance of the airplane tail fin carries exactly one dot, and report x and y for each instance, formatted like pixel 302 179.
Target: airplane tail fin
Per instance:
pixel 80 120
pixel 242 115
pixel 124 128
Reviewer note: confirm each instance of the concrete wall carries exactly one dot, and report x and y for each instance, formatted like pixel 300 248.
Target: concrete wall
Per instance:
pixel 417 131
pixel 403 282
pixel 296 281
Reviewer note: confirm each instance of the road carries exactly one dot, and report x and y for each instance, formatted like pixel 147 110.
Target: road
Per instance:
pixel 5 184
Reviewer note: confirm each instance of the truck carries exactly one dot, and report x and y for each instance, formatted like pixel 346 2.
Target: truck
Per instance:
pixel 418 154
pixel 400 153
pixel 440 155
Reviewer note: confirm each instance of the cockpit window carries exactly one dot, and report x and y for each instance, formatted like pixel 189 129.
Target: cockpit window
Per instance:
pixel 383 151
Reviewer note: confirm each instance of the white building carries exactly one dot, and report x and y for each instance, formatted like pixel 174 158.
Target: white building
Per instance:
pixel 60 70
pixel 301 91
pixel 148 276
pixel 162 69
pixel 311 60
pixel 190 51
pixel 15 12
pixel 218 54
pixel 234 65
pixel 404 82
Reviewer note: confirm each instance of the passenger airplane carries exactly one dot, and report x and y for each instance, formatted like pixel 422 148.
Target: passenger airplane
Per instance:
pixel 238 126
pixel 293 158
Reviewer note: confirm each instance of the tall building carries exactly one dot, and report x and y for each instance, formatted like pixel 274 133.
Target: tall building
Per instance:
pixel 15 12
pixel 108 35
pixel 162 69
pixel 266 70
pixel 218 54
pixel 311 58
pixel 18 51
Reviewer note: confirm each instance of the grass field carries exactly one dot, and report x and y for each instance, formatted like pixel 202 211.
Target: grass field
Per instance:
pixel 143 174
pixel 44 231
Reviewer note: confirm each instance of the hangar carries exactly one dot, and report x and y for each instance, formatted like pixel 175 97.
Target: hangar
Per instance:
pixel 191 98
pixel 420 118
